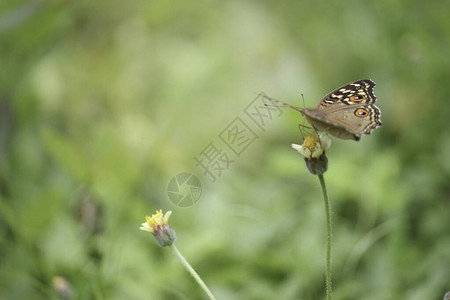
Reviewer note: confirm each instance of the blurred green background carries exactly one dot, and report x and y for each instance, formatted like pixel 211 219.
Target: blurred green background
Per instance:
pixel 103 102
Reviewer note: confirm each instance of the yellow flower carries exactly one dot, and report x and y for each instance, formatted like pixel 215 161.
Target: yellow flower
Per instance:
pixel 157 219
pixel 313 149
pixel 158 225
pixel 313 146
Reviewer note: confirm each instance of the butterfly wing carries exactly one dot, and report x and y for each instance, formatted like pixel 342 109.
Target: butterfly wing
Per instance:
pixel 322 122
pixel 347 123
pixel 355 93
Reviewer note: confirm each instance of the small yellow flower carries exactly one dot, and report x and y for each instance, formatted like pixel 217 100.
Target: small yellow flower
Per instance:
pixel 158 225
pixel 157 219
pixel 313 146
pixel 313 149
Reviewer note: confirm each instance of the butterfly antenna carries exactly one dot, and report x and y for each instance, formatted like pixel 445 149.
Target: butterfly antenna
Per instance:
pixel 283 104
pixel 280 103
pixel 300 126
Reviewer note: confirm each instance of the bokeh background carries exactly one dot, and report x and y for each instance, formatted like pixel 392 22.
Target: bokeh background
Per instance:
pixel 103 102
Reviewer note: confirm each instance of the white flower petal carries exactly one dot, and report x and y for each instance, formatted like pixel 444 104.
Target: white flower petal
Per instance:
pixel 145 227
pixel 325 141
pixel 167 216
pixel 303 151
pixel 318 151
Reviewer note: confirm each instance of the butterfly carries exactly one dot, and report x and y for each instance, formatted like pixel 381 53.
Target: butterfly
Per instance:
pixel 346 113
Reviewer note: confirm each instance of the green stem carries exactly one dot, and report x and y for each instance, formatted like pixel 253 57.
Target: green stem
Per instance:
pixel 328 217
pixel 192 271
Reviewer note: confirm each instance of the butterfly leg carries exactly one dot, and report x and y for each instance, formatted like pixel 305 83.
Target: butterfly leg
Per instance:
pixel 300 126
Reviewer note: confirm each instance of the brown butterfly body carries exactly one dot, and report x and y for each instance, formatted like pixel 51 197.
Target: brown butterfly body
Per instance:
pixel 347 112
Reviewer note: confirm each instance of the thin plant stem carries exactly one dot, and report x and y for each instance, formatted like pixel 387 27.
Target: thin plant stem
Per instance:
pixel 328 220
pixel 192 271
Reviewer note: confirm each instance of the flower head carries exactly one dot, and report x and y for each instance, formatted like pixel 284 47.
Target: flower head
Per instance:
pixel 313 145
pixel 313 149
pixel 158 225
